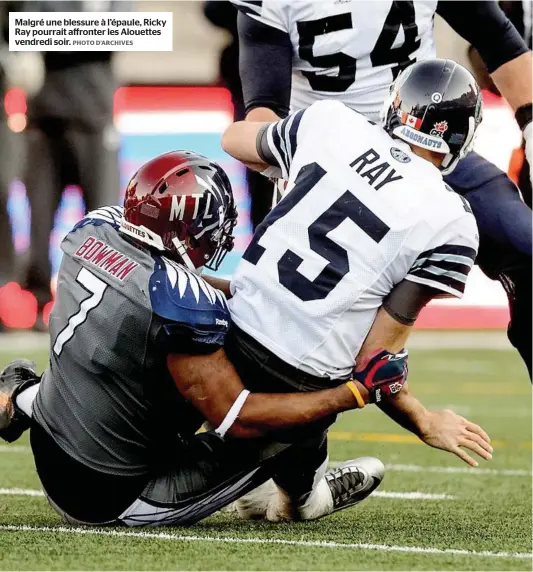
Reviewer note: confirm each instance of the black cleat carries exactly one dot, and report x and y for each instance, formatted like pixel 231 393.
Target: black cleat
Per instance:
pixel 16 377
pixel 354 481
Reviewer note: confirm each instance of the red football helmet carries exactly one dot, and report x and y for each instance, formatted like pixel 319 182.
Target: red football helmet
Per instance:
pixel 182 203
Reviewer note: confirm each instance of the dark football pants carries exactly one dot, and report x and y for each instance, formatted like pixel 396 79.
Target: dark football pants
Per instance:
pixel 206 475
pixel 61 154
pixel 213 474
pixel 195 478
pixel 505 239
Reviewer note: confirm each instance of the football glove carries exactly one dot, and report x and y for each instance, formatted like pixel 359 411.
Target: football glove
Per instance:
pixel 381 373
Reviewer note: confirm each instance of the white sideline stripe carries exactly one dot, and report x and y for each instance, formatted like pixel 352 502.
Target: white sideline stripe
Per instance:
pixel 462 470
pixel 416 495
pixel 233 540
pixel 14 449
pixel 458 470
pixel 23 492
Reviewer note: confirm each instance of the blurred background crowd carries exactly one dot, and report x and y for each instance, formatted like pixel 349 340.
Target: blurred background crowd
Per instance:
pixel 75 126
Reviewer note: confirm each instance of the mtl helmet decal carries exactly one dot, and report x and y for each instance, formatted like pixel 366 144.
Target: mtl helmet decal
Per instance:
pixel 439 128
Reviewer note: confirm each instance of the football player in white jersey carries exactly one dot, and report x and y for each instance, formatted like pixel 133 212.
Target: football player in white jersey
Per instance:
pixel 295 52
pixel 366 234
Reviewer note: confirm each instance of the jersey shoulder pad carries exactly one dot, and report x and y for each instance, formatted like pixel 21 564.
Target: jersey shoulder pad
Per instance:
pixel 180 296
pixel 104 215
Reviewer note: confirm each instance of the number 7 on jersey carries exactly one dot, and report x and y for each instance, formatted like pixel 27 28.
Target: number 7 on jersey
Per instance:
pixel 96 287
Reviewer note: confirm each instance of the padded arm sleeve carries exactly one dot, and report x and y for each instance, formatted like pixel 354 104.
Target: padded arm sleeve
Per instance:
pixel 276 142
pixel 265 65
pixel 407 299
pixel 487 28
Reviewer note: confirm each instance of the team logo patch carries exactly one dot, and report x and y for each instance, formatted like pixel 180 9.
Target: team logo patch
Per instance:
pixel 399 155
pixel 436 97
pixel 439 128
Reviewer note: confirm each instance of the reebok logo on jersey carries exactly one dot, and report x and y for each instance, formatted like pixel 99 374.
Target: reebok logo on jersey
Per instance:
pixel 101 255
pixel 220 322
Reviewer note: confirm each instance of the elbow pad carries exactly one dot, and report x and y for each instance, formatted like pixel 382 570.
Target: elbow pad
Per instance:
pixel 382 372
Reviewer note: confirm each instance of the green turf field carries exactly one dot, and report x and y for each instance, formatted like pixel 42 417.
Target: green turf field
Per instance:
pixel 460 519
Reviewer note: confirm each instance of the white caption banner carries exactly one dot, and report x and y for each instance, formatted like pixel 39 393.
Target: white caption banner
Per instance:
pixel 90 31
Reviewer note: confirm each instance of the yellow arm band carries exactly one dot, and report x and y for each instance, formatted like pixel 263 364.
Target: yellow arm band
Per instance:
pixel 353 388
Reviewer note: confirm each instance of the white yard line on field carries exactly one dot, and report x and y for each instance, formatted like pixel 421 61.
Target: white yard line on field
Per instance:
pixel 415 495
pixel 275 541
pixel 462 470
pixel 14 449
pixel 22 492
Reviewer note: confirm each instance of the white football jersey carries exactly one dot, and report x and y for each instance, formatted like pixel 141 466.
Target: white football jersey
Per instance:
pixel 350 50
pixel 361 213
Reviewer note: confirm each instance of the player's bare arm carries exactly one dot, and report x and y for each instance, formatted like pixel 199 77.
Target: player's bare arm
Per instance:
pixel 213 386
pixel 440 429
pixel 239 141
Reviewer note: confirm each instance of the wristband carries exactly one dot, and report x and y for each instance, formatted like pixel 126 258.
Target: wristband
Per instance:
pixel 233 413
pixel 353 388
pixel 523 115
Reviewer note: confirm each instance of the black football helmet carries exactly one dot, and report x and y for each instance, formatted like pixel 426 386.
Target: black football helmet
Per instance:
pixel 435 104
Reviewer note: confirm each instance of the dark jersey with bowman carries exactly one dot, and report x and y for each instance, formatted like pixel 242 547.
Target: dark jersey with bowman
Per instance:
pixel 107 398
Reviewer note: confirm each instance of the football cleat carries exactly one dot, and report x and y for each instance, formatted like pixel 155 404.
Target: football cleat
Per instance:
pixel 340 488
pixel 354 481
pixel 15 378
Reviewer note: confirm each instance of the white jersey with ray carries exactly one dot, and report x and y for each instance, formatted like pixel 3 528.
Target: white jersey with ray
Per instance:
pixel 361 213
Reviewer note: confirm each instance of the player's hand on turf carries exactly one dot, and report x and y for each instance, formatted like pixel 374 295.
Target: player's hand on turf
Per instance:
pixel 450 432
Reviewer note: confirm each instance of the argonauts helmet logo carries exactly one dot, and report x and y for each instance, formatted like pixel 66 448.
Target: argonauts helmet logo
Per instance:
pixel 399 155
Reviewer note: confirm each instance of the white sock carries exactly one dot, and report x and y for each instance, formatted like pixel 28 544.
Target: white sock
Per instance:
pixel 319 503
pixel 25 399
